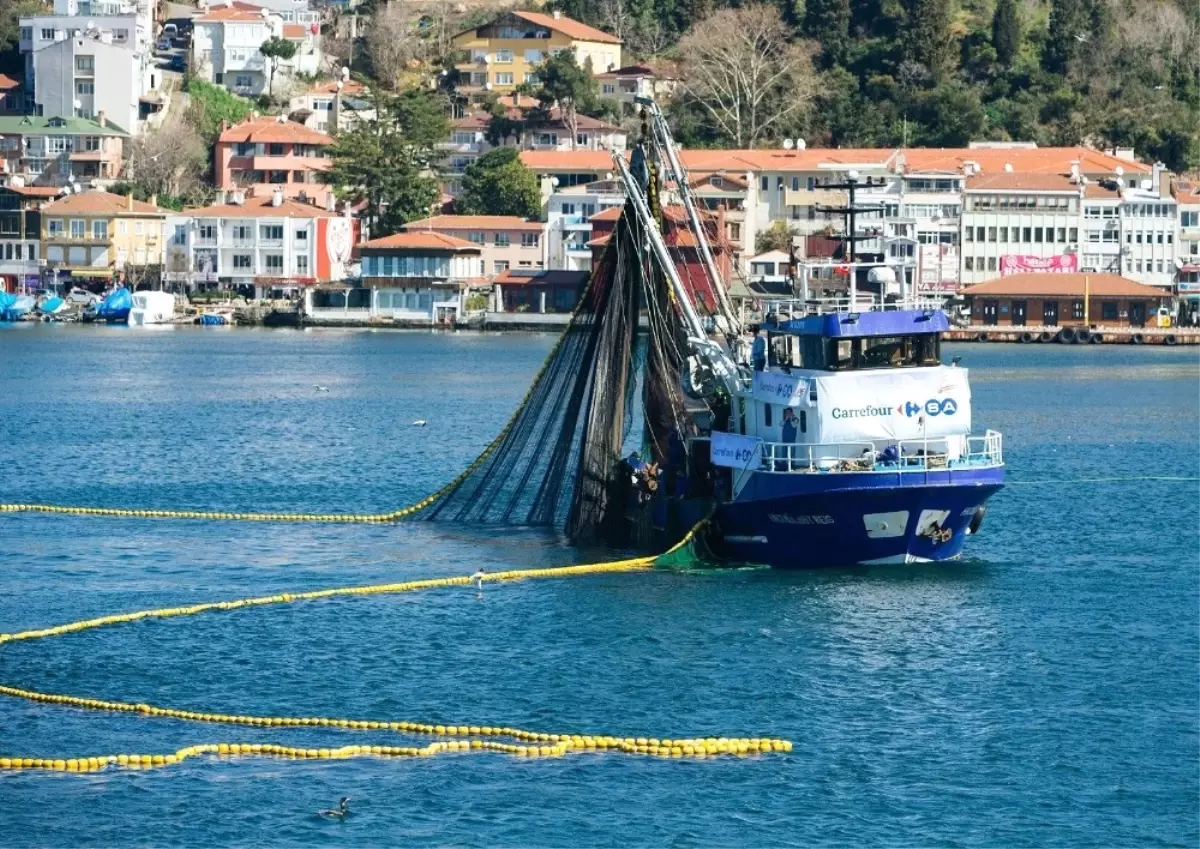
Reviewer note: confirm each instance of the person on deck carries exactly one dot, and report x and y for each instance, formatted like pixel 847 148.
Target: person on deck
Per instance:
pixel 789 425
pixel 758 350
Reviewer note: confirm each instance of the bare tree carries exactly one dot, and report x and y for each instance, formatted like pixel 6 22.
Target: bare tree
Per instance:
pixel 614 16
pixel 648 37
pixel 740 67
pixel 169 160
pixel 392 42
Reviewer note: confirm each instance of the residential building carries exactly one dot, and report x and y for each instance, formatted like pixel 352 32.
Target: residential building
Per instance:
pixel 407 278
pixel 98 234
pixel 506 51
pixel 21 235
pixel 542 290
pixel 260 245
pixel 12 96
pixel 1149 225
pixel 226 41
pixel 289 11
pixel 262 154
pixel 568 222
pixel 1187 201
pixel 770 267
pixel 505 241
pixel 1054 300
pixel 625 85
pixel 561 169
pixel 332 106
pixel 59 151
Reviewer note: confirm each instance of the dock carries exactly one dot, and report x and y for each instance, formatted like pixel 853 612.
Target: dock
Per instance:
pixel 1073 335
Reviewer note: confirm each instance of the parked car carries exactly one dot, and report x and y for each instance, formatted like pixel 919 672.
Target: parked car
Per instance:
pixel 83 296
pixel 178 63
pixel 162 45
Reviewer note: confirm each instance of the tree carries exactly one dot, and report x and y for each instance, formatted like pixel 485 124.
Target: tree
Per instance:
pixel 928 38
pixel 1065 36
pixel 168 161
pixel 391 42
pixel 498 183
pixel 777 237
pixel 828 22
pixel 10 28
pixel 276 48
pixel 1006 31
pixel 387 163
pixel 741 68
pixel 209 105
pixel 563 81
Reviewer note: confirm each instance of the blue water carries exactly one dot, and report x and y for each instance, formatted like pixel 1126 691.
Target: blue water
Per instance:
pixel 1042 693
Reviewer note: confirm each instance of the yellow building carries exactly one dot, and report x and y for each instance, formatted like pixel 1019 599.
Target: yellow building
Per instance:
pixel 504 53
pixel 99 234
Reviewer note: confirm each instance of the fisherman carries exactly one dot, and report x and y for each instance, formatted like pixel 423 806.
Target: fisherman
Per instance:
pixel 758 350
pixel 789 425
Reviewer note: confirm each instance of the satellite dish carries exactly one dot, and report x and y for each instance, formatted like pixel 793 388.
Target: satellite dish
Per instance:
pixel 554 181
pixel 788 144
pixel 1118 170
pixel 801 144
pixel 487 86
pixel 345 72
pixel 852 174
pixel 77 103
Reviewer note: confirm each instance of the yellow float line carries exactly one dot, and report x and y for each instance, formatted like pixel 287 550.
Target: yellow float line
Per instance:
pixel 546 745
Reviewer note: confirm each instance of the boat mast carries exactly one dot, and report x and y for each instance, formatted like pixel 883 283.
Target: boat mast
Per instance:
pixel 664 139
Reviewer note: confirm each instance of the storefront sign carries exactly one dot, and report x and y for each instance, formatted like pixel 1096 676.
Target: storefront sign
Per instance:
pixel 1025 264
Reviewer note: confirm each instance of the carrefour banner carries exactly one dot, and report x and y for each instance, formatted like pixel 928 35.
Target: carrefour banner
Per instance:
pixel 785 389
pixel 736 451
pixel 893 404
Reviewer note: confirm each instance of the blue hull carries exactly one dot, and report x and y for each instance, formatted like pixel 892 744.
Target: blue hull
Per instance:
pixel 811 520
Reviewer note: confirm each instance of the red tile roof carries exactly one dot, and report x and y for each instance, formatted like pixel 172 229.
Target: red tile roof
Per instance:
pixel 295 30
pixel 1015 182
pixel 541 277
pixel 568 27
pixel 473 222
pixel 1025 160
pixel 7 82
pixel 96 202
pixel 567 160
pixel 425 240
pixel 36 191
pixel 349 87
pixel 233 12
pixel 261 207
pixel 273 130
pixel 1065 285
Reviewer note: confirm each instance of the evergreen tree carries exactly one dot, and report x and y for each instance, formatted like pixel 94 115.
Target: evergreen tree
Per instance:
pixel 275 48
pixel 562 81
pixel 828 22
pixel 1066 35
pixel 929 41
pixel 498 183
pixel 1006 31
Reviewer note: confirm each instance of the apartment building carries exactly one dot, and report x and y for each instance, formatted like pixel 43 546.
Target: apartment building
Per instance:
pixel 625 85
pixel 506 51
pixel 226 41
pixel 37 151
pixel 21 234
pixel 98 234
pixel 332 106
pixel 505 241
pixel 1187 201
pixel 413 278
pixel 569 225
pixel 259 245
pixel 289 11
pixel 260 155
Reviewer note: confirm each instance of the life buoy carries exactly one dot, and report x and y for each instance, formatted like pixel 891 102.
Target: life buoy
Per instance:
pixel 1137 339
pixel 1026 337
pixel 1096 338
pixel 1066 336
pixel 1046 336
pixel 1170 339
pixel 1083 335
pixel 977 519
pixel 981 337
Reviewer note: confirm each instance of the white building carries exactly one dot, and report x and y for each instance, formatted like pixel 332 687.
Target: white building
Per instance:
pixel 330 107
pixel 568 224
pixel 226 42
pixel 289 11
pixel 1187 201
pixel 258 245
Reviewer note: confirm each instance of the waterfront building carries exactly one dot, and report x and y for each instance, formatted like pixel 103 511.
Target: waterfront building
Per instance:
pixel 260 155
pixel 21 234
pixel 97 234
pixel 539 290
pixel 1063 300
pixel 569 214
pixel 505 241
pixel 36 151
pixel 505 52
pixel 260 246
pixel 416 278
pixel 226 41
pixel 1187 202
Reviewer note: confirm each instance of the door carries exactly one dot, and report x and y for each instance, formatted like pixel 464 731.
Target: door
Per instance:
pixel 991 312
pixel 1050 313
pixel 1137 314
pixel 1018 312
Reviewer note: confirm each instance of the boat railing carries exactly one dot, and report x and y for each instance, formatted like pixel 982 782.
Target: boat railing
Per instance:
pixel 903 455
pixel 797 308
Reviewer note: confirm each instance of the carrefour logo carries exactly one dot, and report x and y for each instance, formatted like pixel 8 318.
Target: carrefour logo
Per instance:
pixel 932 407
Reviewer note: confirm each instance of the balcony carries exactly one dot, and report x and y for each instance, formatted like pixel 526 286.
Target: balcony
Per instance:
pixel 577 223
pixel 814 197
pixel 287 162
pixel 85 239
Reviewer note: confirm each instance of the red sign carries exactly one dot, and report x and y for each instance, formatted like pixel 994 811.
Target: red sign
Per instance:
pixel 1025 264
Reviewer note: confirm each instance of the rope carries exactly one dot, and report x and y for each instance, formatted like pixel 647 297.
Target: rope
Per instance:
pixel 543 744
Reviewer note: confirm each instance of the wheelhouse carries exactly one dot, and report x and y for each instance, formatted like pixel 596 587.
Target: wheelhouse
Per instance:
pixel 857 341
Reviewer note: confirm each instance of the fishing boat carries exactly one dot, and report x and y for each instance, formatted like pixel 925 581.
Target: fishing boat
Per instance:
pixel 151 307
pixel 114 309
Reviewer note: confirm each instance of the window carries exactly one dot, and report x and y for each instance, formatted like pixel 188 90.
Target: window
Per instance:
pixel 608 88
pixel 1026 234
pixel 48 35
pixel 991 234
pixel 531 79
pixel 501 240
pixel 302 265
pixel 1004 234
pixel 504 78
pixel 1073 234
pixel 767 415
pixel 302 235
pixel 969 234
pixel 1037 234
pixel 91 143
pixel 243 233
pixel 500 265
pixel 463 138
pixel 99 229
pixel 979 234
pixel 765 183
pixel 530 240
pixel 242 81
pixel 244 149
pixel 1189 219
pixel 139 228
pixel 57 144
pixel 85 87
pixel 243 262
pixel 87 64
pixel 121 34
pixel 274 150
pixel 478 239
pixel 581 140
pixel 1160 237
pixel 274 263
pixel 271 232
pixel 1108 310
pixel 535 57
pixel 991 263
pixel 77 228
pixel 504 57
pixel 54 226
pixel 969 263
pixel 1077 310
pixel 122 228
pixel 208 232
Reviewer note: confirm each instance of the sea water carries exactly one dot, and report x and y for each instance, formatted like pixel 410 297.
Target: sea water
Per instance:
pixel 1042 692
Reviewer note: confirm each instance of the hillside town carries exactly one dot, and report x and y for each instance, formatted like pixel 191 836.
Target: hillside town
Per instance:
pixel 268 153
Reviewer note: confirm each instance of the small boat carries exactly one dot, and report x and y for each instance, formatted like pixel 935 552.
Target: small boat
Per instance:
pixel 151 308
pixel 212 319
pixel 115 308
pixel 12 307
pixel 50 305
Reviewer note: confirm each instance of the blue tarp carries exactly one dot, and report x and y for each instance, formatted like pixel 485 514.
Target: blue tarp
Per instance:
pixel 13 307
pixel 212 318
pixel 50 305
pixel 116 306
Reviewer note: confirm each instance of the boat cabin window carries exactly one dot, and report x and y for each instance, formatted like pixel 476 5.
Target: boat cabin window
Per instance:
pixel 868 352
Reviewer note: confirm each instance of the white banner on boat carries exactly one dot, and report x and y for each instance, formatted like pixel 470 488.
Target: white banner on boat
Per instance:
pixel 736 451
pixel 893 404
pixel 773 388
